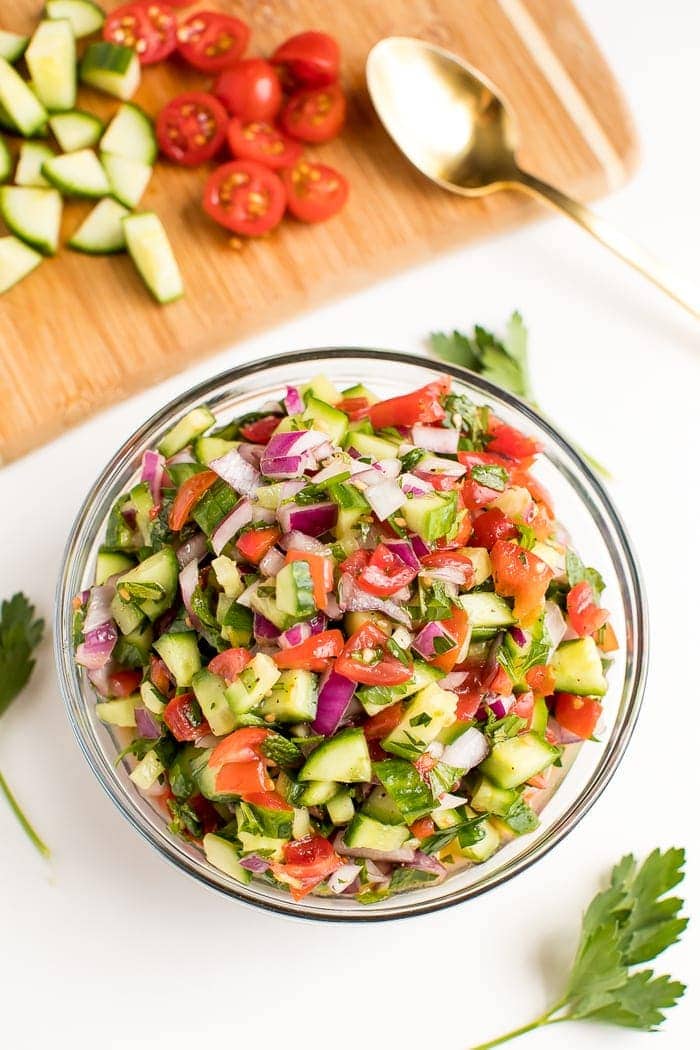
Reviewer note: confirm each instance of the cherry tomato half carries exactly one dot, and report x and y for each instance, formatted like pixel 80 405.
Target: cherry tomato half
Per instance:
pixel 260 141
pixel 245 197
pixel 308 59
pixel 211 41
pixel 191 128
pixel 315 192
pixel 149 28
pixel 250 89
pixel 314 114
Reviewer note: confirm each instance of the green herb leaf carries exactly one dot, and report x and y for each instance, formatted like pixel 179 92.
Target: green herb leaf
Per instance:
pixel 577 572
pixel 468 832
pixel 281 751
pixel 492 477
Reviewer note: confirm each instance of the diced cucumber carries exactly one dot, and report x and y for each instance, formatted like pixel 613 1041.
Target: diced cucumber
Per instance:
pixel 85 17
pixel 294 590
pixel 381 806
pixel 431 516
pixel 16 261
pixel 480 851
pixel 32 214
pixel 180 654
pixel 146 772
pixel 130 134
pixel 318 792
pixel 149 247
pixel 301 823
pixel 118 712
pixel 426 714
pixel 340 808
pixel 111 68
pixel 23 108
pixel 489 798
pixel 578 668
pixel 366 833
pixel 371 445
pixel 262 601
pixel 109 563
pixel 487 612
pixel 5 161
pixel 376 697
pixel 208 448
pixel 481 560
pixel 293 698
pixel 204 775
pixel 406 787
pixel 126 615
pixel 515 760
pixel 540 716
pixel 210 690
pixel 360 390
pixel 141 499
pixel 133 650
pixel 12 45
pixel 253 684
pixel 127 178
pixel 224 856
pixel 77 174
pixel 351 506
pixel 344 757
pixel 76 129
pixel 50 59
pixel 321 387
pixel 270 848
pixel 151 698
pixel 324 417
pixel 151 585
pixel 32 155
pixel 186 430
pixel 228 576
pixel 101 232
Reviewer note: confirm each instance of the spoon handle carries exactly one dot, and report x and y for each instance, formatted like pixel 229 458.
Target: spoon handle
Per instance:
pixel 618 242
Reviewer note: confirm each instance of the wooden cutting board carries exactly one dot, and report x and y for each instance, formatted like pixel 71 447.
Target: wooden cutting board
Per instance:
pixel 80 333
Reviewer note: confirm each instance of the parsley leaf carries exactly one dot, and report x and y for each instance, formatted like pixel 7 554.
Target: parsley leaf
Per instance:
pixel 492 477
pixel 467 832
pixel 577 572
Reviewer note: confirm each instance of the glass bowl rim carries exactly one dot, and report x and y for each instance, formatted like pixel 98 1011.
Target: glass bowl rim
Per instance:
pixel 621 543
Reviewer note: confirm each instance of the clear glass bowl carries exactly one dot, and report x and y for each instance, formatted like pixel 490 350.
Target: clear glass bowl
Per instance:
pixel 582 505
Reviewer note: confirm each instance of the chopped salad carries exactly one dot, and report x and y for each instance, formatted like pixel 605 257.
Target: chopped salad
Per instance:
pixel 346 637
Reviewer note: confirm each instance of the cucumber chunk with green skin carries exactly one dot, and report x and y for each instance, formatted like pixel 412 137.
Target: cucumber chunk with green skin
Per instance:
pixel 109 563
pixel 101 232
pixel 146 772
pixel 252 684
pixel 151 585
pixel 149 247
pixel 5 161
pixel 186 430
pixel 293 698
pixel 204 775
pixel 322 388
pixel 376 697
pixel 130 134
pixel 366 833
pixel 133 650
pixel 431 516
pixel 16 261
pixel 381 806
pixel 12 45
pixel 318 792
pixel 489 798
pixel 344 757
pixel 425 716
pixel 294 591
pixel 76 129
pixel 118 712
pixel 32 155
pixel 33 214
pixel 210 690
pixel 50 59
pixel 371 445
pixel 406 787
pixel 487 612
pixel 512 762
pixel 77 174
pixel 207 449
pixel 578 668
pixel 126 615
pixel 263 601
pixel 111 68
pixel 340 808
pixel 224 856
pixel 127 178
pixel 179 652
pixel 84 17
pixel 326 418
pixel 23 108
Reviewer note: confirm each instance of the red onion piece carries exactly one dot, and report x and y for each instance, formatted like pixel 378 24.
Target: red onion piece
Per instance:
pixel 265 514
pixel 98 610
pixel 254 863
pixel 293 402
pixel 518 636
pixel 312 520
pixel 98 646
pixel 438 465
pixel 419 545
pixel 424 642
pixel 500 705
pixel 295 635
pixel 152 469
pixel 298 541
pixel 146 724
pixel 403 550
pixel 435 439
pixel 561 735
pixel 252 454
pixel 459 575
pixel 194 548
pixel 100 678
pixel 414 484
pixel 334 696
pixel 424 862
pixel 184 456
pixel 343 877
pixel 335 467
pixel 242 514
pixel 189 578
pixel 240 475
pixel 453 680
pixel 271 563
pixel 385 499
pixel 263 629
pixel 378 872
pixel 245 598
pixel 352 598
pixel 554 623
pixel 467 751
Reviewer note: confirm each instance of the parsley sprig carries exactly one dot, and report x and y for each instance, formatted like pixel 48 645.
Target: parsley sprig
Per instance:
pixel 628 923
pixel 20 634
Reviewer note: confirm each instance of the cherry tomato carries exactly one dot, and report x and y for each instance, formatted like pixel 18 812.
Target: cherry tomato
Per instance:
pixel 243 745
pixel 314 114
pixel 451 564
pixel 491 526
pixel 263 143
pixel 188 495
pixel 245 197
pixel 585 616
pixel 191 128
pixel 211 41
pixel 577 714
pixel 520 574
pixel 205 812
pixel 250 90
pixel 421 406
pixel 524 706
pixel 385 573
pixel 365 659
pixel 183 718
pixel 260 430
pixel 307 862
pixel 124 683
pixel 269 800
pixel 230 663
pixel 315 654
pixel 457 626
pixel 149 28
pixel 255 544
pixel 311 59
pixel 315 192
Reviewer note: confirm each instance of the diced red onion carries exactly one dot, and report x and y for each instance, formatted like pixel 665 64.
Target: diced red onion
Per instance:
pixel 561 735
pixel 194 548
pixel 293 402
pixel 435 439
pixel 98 610
pixel 100 678
pixel 369 477
pixel 453 680
pixel 343 877
pixel 467 751
pixel 271 563
pixel 377 872
pixel 424 862
pixel 245 598
pixel 438 465
pixel 206 741
pixel 265 514
pixel 189 578
pixel 333 610
pixel 152 468
pixel 98 646
pixel 554 623
pixel 459 575
pixel 292 443
pixel 318 623
pixel 242 514
pixel 299 541
pixel 518 636
pixel 403 550
pixel 146 724
pixel 385 499
pixel 334 696
pixel 352 451
pixel 448 801
pixel 263 629
pixel 419 545
pixel 185 455
pixel 335 467
pixel 500 705
pixel 312 520
pixel 403 855
pixel 254 863
pixel 252 454
pixel 424 642
pixel 353 599
pixel 295 635
pixel 239 474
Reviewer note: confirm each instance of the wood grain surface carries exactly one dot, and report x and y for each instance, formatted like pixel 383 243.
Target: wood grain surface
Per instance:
pixel 81 332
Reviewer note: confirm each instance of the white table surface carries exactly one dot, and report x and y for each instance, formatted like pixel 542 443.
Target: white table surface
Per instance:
pixel 111 946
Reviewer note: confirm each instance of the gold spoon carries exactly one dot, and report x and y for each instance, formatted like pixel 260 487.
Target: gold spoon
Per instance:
pixel 452 125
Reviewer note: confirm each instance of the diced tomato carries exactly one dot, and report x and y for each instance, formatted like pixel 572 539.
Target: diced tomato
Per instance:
pixel 356 563
pixel 386 573
pixel 311 59
pixel 354 408
pixel 245 197
pixel 124 683
pixel 211 41
pixel 255 544
pixel 262 142
pixel 205 813
pixel 160 675
pixel 536 489
pixel 184 719
pixel 315 654
pixel 524 706
pixel 498 681
pixel 269 800
pixel 315 192
pixel 243 745
pixel 607 639
pixel 243 778
pixel 453 562
pixel 423 828
pixel 424 764
pixel 520 574
pixel 458 627
pixel 476 495
pixel 230 663
pixel 422 406
pixel 577 714
pixel 260 430
pixel 585 616
pixel 321 569
pixel 307 862
pixel 149 28
pixel 539 780
pixel 314 114
pixel 471 692
pixel 463 533
pixel 491 526
pixel 250 89
pixel 467 705
pixel 188 495
pixel 540 678
pixel 381 724
pixel 365 659
pixel 509 441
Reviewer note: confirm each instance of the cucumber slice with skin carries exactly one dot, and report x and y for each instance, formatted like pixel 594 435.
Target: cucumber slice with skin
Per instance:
pixel 127 178
pixel 16 261
pixel 76 130
pixel 77 174
pixel 149 247
pixel 111 68
pixel 50 59
pixel 343 757
pixel 130 134
pixel 12 45
pixel 33 214
pixel 32 155
pixel 5 161
pixel 23 108
pixel 85 17
pixel 102 232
